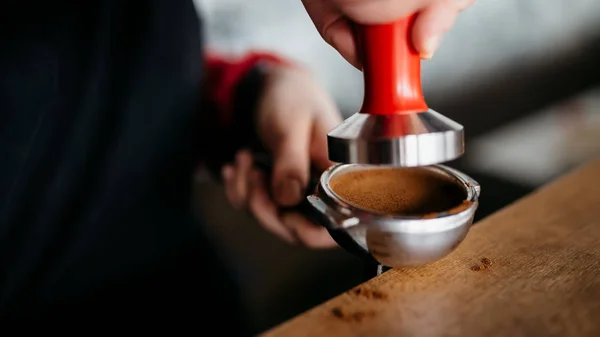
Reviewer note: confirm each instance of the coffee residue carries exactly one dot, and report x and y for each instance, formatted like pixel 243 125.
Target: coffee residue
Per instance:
pixel 367 293
pixel 337 312
pixel 485 265
pixel 356 316
pixel 400 191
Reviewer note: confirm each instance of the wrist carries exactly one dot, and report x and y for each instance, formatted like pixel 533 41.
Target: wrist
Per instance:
pixel 234 90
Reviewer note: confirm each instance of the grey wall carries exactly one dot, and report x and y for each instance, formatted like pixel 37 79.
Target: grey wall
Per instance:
pixel 488 39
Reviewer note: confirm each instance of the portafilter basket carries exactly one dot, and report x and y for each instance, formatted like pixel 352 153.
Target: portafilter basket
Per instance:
pixel 390 240
pixel 394 240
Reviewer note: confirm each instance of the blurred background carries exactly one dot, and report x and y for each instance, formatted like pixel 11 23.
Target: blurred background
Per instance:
pixel 522 76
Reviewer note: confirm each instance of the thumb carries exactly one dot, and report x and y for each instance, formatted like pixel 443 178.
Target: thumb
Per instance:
pixel 324 122
pixel 319 155
pixel 291 163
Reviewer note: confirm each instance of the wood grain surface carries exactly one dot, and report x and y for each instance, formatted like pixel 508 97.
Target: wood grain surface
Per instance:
pixel 531 269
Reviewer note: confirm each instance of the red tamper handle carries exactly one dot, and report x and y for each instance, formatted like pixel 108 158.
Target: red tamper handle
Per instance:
pixel 391 69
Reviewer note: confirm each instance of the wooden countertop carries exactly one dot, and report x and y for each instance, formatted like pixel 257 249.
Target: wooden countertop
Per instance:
pixel 531 269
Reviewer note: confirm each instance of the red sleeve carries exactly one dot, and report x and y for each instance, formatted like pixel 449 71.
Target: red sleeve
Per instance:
pixel 223 75
pixel 230 91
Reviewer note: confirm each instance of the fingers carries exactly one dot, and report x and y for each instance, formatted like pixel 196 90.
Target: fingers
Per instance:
pixel 325 121
pixel 379 11
pixel 265 211
pixel 237 179
pixel 319 154
pixel 340 35
pixel 292 163
pixel 250 189
pixel 228 174
pixel 331 23
pixel 332 19
pixel 309 234
pixel 321 160
pixel 433 22
pixel 302 147
pixel 244 162
pixel 290 227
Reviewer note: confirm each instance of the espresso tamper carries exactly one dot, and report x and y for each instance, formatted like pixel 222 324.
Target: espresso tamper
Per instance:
pixel 394 125
pixel 396 129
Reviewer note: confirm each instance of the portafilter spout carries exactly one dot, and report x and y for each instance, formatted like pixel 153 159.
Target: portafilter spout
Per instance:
pixel 395 125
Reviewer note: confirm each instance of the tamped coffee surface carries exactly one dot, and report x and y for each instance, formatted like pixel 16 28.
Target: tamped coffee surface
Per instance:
pixel 399 191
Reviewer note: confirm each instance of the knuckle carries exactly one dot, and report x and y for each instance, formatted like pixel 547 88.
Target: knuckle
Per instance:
pixel 253 205
pixel 326 28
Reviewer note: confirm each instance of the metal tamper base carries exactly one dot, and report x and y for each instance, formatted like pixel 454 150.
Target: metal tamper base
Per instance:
pixel 416 139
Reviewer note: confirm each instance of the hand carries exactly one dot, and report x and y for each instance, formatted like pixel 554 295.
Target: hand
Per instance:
pixel 333 20
pixel 293 119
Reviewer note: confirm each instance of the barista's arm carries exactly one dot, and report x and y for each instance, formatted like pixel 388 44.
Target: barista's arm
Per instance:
pixel 230 93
